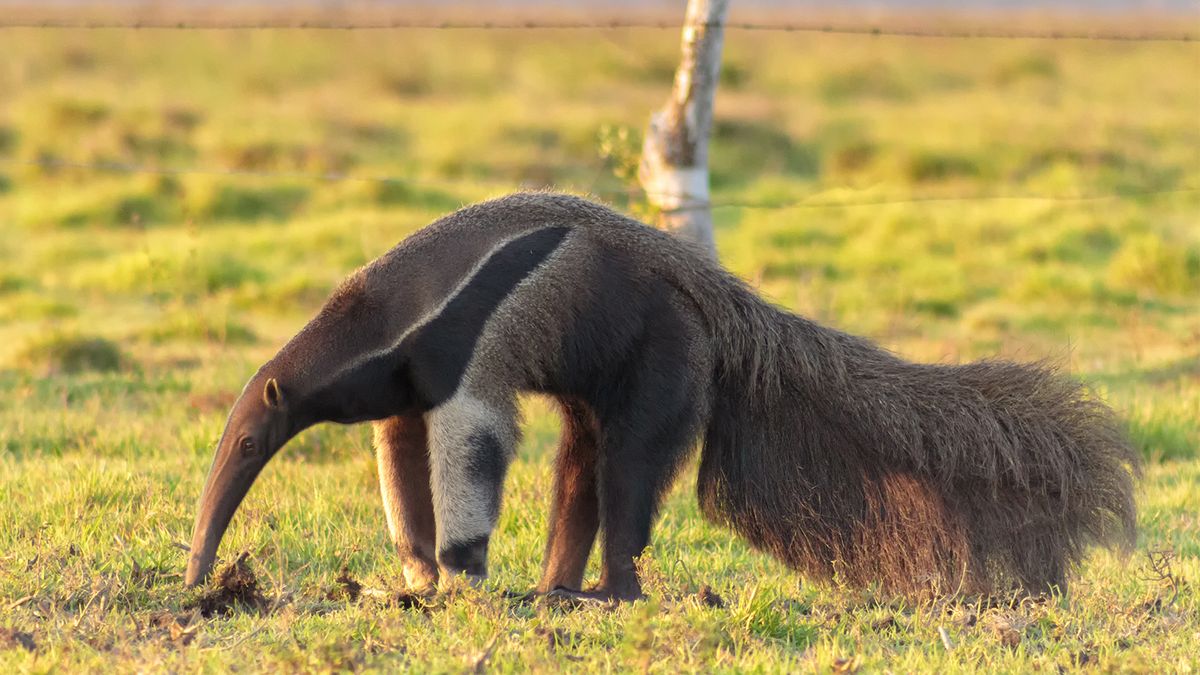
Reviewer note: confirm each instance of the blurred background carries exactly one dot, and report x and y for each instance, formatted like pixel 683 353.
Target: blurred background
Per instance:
pixel 177 197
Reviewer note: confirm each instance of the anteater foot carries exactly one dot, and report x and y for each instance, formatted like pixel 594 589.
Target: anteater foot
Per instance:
pixel 597 597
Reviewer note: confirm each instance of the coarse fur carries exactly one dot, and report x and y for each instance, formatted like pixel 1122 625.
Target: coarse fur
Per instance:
pixel 835 456
pixel 841 459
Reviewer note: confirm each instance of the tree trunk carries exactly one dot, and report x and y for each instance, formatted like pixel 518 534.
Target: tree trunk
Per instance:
pixel 674 165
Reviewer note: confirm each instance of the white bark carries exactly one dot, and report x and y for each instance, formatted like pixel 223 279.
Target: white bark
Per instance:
pixel 674 165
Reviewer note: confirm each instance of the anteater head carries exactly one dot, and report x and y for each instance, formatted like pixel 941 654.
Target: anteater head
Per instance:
pixel 258 426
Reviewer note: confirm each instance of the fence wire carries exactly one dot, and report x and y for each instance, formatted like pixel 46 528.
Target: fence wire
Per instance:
pixel 407 24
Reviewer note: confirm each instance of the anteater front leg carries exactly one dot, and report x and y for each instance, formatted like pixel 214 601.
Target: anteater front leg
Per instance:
pixel 471 440
pixel 403 456
pixel 574 517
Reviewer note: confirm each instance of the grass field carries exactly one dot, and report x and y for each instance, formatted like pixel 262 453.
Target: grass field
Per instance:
pixel 952 199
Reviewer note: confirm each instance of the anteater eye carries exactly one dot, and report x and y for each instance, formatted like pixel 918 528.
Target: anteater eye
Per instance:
pixel 246 445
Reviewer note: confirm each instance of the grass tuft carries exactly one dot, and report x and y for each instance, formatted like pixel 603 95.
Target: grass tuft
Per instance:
pixel 872 80
pixel 1149 263
pixel 927 167
pixel 1167 432
pixel 1033 66
pixel 235 202
pixel 70 353
pixel 8 140
pixel 200 327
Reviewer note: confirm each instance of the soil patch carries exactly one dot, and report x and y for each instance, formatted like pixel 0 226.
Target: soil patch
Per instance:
pixel 346 588
pixel 424 603
pixel 11 638
pixel 178 628
pixel 709 598
pixel 236 585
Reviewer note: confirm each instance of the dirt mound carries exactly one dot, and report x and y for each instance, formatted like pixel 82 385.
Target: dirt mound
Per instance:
pixel 425 603
pixel 11 638
pixel 347 588
pixel 709 598
pixel 410 601
pixel 235 585
pixel 180 629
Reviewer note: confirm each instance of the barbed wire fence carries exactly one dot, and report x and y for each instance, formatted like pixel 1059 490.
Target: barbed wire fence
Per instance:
pixel 789 27
pixel 816 200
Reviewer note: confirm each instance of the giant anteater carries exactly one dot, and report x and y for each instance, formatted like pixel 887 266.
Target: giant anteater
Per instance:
pixel 833 455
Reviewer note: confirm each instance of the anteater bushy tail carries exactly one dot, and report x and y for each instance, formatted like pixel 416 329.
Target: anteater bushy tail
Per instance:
pixel 847 462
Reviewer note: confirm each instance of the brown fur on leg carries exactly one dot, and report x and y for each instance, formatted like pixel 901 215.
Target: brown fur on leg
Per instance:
pixel 402 454
pixel 575 516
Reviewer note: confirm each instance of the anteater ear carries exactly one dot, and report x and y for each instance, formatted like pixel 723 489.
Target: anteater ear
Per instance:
pixel 272 396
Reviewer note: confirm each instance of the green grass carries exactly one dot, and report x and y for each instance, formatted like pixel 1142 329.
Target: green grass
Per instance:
pixel 134 306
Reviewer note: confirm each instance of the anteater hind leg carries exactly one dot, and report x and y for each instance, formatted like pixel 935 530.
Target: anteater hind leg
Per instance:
pixel 635 472
pixel 644 437
pixel 403 457
pixel 575 516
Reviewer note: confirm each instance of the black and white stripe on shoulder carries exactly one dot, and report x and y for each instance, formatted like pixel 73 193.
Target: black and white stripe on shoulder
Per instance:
pixel 441 349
